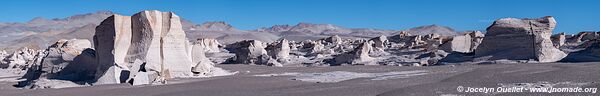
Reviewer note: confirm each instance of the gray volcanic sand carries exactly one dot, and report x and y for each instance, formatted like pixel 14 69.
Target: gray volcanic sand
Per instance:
pixel 439 80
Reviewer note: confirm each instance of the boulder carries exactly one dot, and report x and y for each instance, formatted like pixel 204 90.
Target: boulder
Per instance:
pixel 519 39
pixel 459 43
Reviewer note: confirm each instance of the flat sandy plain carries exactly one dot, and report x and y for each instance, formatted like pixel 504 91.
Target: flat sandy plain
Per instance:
pixel 438 81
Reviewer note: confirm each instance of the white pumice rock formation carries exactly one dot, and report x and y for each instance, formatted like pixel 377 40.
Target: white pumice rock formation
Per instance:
pixel 380 43
pixel 459 43
pixel 279 50
pixel 249 51
pixel 520 39
pixel 209 44
pixel 20 59
pixel 359 56
pixel 156 38
pixel 201 64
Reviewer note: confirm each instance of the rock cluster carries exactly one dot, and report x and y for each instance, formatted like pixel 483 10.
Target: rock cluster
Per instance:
pixel 20 59
pixel 151 47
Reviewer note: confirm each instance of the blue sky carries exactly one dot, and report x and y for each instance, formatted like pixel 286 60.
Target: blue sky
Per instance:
pixel 572 15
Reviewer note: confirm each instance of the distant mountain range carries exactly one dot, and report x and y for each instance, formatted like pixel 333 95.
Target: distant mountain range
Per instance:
pixel 40 32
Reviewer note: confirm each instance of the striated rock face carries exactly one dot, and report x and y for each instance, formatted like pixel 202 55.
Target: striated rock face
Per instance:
pixel 520 39
pixel 279 50
pixel 112 41
pixel 154 38
pixel 589 54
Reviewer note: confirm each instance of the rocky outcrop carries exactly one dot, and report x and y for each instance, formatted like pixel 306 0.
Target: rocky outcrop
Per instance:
pixel 248 51
pixel 589 54
pixel 460 43
pixel 380 43
pixel 279 50
pixel 477 38
pixel 333 40
pixel 73 56
pixel 520 39
pixel 200 63
pixel 559 39
pixel 154 38
pixel 20 59
pixel 208 45
pixel 313 47
pixel 358 56
pixel 586 36
pixel 71 60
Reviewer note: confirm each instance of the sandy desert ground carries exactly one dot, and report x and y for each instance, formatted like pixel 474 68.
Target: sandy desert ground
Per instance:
pixel 438 81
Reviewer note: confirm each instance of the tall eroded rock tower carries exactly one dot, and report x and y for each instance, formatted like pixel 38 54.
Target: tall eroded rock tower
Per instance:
pixel 150 43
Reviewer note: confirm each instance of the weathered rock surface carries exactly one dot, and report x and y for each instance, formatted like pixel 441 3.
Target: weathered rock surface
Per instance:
pixel 559 39
pixel 359 55
pixel 156 38
pixel 520 39
pixel 279 50
pixel 248 51
pixel 460 43
pixel 477 38
pixel 380 43
pixel 589 54
pixel 208 44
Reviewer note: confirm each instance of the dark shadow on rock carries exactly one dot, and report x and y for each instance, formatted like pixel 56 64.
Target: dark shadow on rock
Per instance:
pixel 81 70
